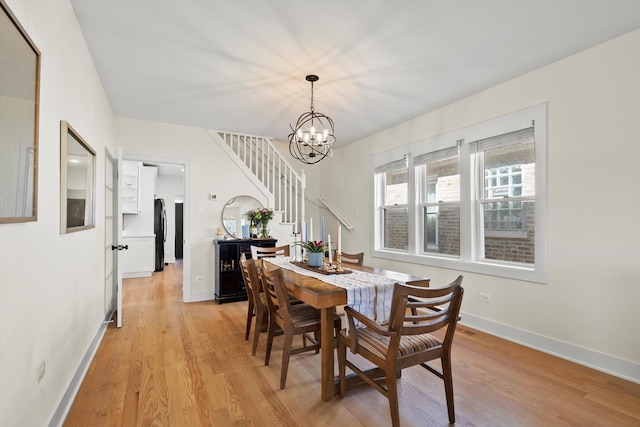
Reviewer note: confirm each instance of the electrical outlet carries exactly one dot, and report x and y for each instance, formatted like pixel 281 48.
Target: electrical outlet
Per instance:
pixel 40 370
pixel 484 297
pixel 199 278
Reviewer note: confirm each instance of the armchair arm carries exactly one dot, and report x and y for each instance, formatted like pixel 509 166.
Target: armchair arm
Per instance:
pixel 353 331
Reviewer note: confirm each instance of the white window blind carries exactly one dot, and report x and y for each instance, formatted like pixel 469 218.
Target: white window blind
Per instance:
pixel 392 166
pixel 436 156
pixel 499 141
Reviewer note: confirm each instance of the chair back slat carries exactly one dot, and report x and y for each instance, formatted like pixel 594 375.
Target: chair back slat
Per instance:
pixel 250 276
pixel 259 252
pixel 435 307
pixel 353 258
pixel 277 295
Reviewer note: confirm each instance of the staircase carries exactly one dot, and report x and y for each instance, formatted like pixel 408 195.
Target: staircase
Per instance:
pixel 271 172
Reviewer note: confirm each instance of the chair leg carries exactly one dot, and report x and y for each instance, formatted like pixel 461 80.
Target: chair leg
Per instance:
pixel 392 395
pixel 448 387
pixel 270 334
pixel 249 318
pixel 342 368
pixel 256 331
pixel 286 354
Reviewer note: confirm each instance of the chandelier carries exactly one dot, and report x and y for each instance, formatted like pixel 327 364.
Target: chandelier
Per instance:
pixel 312 137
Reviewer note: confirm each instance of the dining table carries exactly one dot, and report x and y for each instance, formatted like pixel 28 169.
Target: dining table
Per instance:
pixel 318 289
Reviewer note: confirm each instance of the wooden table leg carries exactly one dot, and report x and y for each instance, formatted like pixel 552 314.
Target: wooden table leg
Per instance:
pixel 326 353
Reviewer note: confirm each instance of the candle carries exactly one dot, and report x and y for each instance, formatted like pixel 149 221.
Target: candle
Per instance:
pixel 303 232
pixel 311 229
pixel 339 238
pixel 323 233
pixel 329 246
pixel 294 228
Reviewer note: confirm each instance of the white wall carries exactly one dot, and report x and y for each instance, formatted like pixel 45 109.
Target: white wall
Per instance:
pixel 51 285
pixel 209 170
pixel 588 310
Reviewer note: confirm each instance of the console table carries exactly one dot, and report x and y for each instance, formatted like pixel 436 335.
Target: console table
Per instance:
pixel 228 276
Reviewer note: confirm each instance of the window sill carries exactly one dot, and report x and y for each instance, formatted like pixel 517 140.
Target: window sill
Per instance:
pixel 512 271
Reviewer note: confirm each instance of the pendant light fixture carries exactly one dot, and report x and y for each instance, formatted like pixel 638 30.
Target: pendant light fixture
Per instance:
pixel 312 138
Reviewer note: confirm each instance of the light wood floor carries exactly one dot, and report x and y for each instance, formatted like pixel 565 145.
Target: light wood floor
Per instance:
pixel 176 364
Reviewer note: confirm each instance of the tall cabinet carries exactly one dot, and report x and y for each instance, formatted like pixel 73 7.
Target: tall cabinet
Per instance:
pixel 229 284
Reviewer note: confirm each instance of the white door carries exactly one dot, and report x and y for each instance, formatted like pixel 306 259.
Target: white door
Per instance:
pixel 118 271
pixel 110 236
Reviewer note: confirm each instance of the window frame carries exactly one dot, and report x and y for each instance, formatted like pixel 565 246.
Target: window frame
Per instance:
pixel 380 200
pixel 422 179
pixel 470 258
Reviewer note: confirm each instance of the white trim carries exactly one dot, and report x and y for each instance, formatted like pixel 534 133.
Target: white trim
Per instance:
pixel 199 296
pixel 470 236
pixel 134 275
pixel 61 412
pixel 621 368
pixel 510 271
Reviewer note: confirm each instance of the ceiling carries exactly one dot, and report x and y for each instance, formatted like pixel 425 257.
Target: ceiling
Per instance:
pixel 240 65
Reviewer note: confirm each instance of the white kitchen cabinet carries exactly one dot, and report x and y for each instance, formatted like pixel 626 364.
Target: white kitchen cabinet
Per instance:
pixel 138 260
pixel 130 197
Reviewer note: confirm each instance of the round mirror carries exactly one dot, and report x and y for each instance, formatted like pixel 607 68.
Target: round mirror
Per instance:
pixel 233 220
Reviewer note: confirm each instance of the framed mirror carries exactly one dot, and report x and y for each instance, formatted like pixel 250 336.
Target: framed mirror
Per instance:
pixel 77 181
pixel 19 92
pixel 233 220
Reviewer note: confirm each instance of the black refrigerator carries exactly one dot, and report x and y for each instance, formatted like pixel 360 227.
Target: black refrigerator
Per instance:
pixel 160 230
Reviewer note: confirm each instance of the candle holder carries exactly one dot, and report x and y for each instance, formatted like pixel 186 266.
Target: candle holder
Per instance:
pixel 296 247
pixel 339 261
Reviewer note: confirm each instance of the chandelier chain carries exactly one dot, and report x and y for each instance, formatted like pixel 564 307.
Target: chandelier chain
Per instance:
pixel 312 97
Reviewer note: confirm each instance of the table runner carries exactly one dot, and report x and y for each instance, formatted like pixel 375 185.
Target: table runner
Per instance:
pixel 367 293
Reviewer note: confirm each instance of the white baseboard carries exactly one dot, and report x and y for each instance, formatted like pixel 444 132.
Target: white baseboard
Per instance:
pixel 135 274
pixel 583 356
pixel 202 296
pixel 72 390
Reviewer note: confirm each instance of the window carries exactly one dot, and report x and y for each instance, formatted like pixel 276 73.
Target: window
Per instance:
pixel 438 175
pixel 392 179
pixel 507 205
pixel 472 199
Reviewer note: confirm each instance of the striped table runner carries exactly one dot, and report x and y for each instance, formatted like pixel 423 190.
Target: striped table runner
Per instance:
pixel 368 293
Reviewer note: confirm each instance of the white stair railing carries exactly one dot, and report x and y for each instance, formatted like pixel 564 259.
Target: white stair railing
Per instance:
pixel 336 213
pixel 263 163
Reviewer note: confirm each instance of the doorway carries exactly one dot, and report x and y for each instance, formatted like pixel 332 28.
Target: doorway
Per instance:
pixel 172 185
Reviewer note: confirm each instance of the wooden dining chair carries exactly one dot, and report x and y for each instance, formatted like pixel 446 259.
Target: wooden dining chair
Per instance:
pixel 353 258
pixel 405 341
pixel 293 319
pixel 257 303
pixel 258 252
